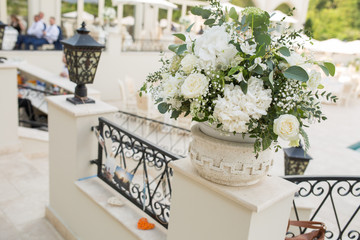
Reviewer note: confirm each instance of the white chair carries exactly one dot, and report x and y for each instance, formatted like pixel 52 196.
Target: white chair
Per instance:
pixel 131 104
pixel 10 38
pixel 349 92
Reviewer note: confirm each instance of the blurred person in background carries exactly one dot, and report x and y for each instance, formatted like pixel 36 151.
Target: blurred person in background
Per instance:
pixel 49 36
pixel 34 31
pixel 17 24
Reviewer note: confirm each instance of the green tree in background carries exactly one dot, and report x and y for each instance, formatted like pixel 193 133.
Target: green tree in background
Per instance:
pixel 88 7
pixel 334 19
pixel 17 7
pixel 243 3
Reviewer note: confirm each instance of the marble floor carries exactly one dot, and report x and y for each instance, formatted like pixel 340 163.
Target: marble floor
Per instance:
pixel 24 193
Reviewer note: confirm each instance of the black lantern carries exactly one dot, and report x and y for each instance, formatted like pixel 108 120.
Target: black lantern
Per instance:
pixel 296 160
pixel 82 55
pixel 2 32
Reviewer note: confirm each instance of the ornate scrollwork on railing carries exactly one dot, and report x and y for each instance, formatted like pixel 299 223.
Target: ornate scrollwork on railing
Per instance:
pixel 335 201
pixel 136 168
pixel 29 99
pixel 172 138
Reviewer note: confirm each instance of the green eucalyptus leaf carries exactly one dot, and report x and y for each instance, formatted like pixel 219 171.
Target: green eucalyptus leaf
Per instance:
pixel 271 78
pixel 163 107
pixel 330 67
pixel 297 73
pixel 263 39
pixel 180 36
pixel 270 64
pixel 182 48
pixel 189 28
pixel 173 47
pixel 258 70
pixel 175 114
pixel 233 14
pixel 325 70
pixel 320 86
pixel 205 13
pixel 266 142
pixel 233 70
pixel 284 51
pixel 244 86
pixel 209 21
pixel 196 11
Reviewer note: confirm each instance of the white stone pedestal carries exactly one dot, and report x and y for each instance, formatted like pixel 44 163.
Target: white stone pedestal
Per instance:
pixel 9 121
pixel 72 146
pixel 204 210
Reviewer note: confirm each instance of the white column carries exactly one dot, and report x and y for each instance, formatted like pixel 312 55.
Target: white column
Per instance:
pixel 120 11
pixel 169 18
pixel 138 20
pixel 80 11
pixel 183 10
pixel 101 5
pixel 155 23
pixel 72 145
pixel 204 210
pixel 9 141
pixel 3 11
pixel 58 12
pixel 33 9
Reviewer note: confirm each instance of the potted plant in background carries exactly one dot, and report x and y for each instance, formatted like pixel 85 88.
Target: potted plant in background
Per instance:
pixel 246 85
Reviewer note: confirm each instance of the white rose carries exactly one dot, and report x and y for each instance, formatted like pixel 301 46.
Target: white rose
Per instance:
pixel 171 86
pixel 213 48
pixel 188 63
pixel 194 85
pixel 314 80
pixel 247 48
pixel 287 127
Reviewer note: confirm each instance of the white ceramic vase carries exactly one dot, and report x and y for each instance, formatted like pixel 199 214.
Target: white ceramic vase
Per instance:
pixel 227 159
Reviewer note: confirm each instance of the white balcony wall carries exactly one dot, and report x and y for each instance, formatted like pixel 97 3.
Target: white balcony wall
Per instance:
pixel 113 66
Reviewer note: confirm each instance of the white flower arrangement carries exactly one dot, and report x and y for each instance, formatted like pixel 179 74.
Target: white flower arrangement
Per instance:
pixel 109 13
pixel 242 79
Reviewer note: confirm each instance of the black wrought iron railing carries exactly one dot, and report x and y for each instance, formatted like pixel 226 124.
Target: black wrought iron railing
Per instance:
pixel 334 200
pixel 136 168
pixel 33 103
pixel 169 137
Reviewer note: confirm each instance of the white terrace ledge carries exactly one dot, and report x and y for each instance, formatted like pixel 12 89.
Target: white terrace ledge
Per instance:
pixel 256 197
pixel 128 214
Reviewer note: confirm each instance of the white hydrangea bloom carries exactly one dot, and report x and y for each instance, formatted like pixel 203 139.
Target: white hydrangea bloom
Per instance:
pixel 236 109
pixel 188 63
pixel 213 48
